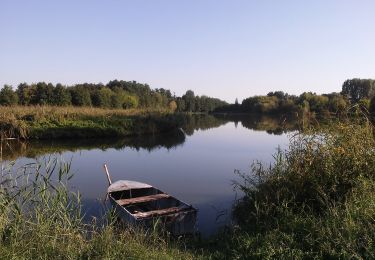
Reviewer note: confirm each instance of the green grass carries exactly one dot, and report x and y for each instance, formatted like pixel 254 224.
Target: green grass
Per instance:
pixel 45 122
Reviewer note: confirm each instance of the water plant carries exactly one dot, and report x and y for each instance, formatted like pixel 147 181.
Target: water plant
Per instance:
pixel 41 219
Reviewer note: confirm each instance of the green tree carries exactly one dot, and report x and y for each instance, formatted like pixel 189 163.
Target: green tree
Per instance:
pixel 123 99
pixel 80 96
pixel 317 103
pixel 279 94
pixel 117 99
pixel 180 105
pixel 356 89
pixel 189 99
pixel 43 94
pixel 261 104
pixel 61 96
pixel 131 101
pixel 197 104
pixel 25 93
pixel 7 96
pixel 337 103
pixel 158 100
pixel 102 97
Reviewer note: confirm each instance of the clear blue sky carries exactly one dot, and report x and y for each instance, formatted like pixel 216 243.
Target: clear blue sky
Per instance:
pixel 225 49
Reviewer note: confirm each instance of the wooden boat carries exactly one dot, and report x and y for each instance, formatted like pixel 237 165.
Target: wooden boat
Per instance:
pixel 141 204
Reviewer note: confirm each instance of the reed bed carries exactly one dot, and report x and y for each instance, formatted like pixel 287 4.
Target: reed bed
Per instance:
pixel 41 219
pixel 49 122
pixel 70 111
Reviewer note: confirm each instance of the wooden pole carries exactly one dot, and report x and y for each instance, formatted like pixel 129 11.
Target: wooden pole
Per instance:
pixel 106 171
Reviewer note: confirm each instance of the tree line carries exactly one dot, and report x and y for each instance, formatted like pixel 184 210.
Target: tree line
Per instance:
pixel 356 95
pixel 115 94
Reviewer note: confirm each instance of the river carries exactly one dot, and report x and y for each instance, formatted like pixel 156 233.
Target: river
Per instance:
pixel 195 165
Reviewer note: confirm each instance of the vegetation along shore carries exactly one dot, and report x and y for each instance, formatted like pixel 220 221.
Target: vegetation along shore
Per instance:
pixel 316 200
pixel 122 108
pixel 46 122
pixel 131 94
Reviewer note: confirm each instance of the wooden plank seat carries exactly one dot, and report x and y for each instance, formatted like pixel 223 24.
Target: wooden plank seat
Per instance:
pixel 125 202
pixel 159 212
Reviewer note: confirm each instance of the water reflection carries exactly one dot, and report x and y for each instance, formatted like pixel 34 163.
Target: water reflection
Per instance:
pixel 276 125
pixel 203 122
pixel 14 149
pixel 196 164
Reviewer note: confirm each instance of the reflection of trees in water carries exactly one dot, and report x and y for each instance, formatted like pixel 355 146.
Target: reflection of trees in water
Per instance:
pixel 14 149
pixel 271 124
pixel 202 122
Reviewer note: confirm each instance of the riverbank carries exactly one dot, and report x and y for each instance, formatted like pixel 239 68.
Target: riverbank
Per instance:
pixel 48 122
pixel 42 219
pixel 317 200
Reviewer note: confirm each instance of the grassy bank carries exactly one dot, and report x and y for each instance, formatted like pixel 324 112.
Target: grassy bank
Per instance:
pixel 41 219
pixel 45 122
pixel 317 200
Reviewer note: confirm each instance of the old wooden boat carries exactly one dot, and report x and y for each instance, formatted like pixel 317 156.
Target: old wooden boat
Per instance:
pixel 141 204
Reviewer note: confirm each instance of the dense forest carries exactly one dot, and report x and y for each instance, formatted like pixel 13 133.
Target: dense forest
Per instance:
pixel 356 95
pixel 115 94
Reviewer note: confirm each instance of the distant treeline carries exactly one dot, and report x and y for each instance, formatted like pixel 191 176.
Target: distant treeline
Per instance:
pixel 115 94
pixel 356 95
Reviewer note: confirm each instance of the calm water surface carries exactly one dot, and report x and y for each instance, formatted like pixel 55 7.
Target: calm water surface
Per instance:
pixel 196 166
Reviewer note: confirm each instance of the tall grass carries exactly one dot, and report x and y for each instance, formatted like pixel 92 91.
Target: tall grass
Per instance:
pixel 317 200
pixel 41 219
pixel 69 111
pixel 48 122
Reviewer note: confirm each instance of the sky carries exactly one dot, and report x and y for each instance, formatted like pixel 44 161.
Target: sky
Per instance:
pixel 226 49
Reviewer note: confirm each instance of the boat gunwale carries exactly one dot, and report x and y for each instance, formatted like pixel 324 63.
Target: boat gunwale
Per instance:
pixel 189 207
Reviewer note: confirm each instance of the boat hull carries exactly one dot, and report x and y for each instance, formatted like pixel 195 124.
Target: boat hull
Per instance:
pixel 149 207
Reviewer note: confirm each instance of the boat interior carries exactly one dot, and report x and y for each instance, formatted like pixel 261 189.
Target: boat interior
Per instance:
pixel 148 202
